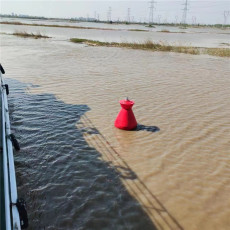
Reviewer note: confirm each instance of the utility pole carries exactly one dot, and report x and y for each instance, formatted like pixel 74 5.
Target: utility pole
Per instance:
pixel 184 17
pixel 152 2
pixel 128 15
pixel 226 15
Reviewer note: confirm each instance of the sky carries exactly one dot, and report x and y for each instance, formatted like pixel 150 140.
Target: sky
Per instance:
pixel 204 12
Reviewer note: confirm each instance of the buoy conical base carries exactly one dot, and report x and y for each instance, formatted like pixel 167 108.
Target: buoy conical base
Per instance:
pixel 126 119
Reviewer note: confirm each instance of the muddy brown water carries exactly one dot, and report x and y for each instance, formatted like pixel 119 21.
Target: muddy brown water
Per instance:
pixel 77 171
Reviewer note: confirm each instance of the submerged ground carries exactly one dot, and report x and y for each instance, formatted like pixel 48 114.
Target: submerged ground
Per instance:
pixel 172 173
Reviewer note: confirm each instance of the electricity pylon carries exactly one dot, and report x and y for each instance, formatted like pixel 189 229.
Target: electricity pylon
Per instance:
pixel 151 11
pixel 226 14
pixel 128 15
pixel 184 17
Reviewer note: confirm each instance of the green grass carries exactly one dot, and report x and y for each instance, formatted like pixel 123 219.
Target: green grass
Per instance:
pixel 30 35
pixel 149 45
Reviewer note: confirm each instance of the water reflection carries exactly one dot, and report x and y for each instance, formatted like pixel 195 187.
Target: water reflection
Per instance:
pixel 65 182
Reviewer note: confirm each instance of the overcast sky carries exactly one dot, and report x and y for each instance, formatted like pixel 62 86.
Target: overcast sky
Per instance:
pixel 205 11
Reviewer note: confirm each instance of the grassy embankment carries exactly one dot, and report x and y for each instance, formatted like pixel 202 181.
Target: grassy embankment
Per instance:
pixel 30 35
pixel 184 26
pixel 67 26
pixel 59 26
pixel 149 45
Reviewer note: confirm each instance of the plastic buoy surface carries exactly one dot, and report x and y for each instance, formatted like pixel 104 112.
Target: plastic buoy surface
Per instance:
pixel 126 119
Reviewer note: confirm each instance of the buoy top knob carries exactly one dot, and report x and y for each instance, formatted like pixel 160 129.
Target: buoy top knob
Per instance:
pixel 126 104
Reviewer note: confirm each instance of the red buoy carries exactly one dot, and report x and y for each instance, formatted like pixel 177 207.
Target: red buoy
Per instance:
pixel 126 119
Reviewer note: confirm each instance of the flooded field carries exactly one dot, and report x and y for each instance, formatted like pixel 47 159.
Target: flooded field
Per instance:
pixel 77 171
pixel 198 37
